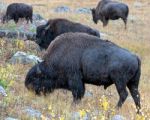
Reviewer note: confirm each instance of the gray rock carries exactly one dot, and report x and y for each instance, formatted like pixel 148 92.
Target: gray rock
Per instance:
pixel 2 91
pixel 76 116
pixel 118 117
pixel 62 9
pixel 33 113
pixel 2 6
pixel 132 18
pixel 2 33
pixel 103 35
pixel 83 10
pixel 23 58
pixel 30 36
pixel 138 4
pixel 10 118
pixel 88 94
pixel 37 16
pixel 12 34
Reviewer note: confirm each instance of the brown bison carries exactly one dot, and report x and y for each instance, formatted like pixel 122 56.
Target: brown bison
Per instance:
pixel 110 10
pixel 54 27
pixel 18 10
pixel 74 59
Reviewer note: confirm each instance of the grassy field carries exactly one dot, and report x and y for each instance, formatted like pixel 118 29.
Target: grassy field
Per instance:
pixel 59 104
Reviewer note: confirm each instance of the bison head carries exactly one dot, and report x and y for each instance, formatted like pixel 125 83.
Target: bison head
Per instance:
pixel 6 18
pixel 95 20
pixel 44 36
pixel 38 80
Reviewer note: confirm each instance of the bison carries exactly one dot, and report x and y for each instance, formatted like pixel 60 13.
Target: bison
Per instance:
pixel 110 10
pixel 74 59
pixel 54 27
pixel 18 10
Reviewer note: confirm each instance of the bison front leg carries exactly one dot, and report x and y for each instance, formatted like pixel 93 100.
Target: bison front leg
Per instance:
pixel 105 21
pixel 77 87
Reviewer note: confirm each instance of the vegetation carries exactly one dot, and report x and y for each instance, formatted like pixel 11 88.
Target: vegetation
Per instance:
pixel 58 105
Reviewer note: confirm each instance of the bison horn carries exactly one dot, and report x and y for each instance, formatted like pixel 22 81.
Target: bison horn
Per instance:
pixel 38 70
pixel 47 27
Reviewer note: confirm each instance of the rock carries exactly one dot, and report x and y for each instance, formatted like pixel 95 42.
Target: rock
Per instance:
pixel 33 113
pixel 30 36
pixel 2 91
pixel 37 16
pixel 76 116
pixel 132 18
pixel 83 10
pixel 10 118
pixel 138 4
pixel 2 6
pixel 41 22
pixel 62 9
pixel 103 35
pixel 24 58
pixel 118 117
pixel 2 33
pixel 12 34
pixel 88 94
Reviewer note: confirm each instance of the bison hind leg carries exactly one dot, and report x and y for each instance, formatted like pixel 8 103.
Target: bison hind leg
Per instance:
pixel 136 96
pixel 124 18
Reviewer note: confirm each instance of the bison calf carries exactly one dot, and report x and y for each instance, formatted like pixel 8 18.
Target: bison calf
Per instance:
pixel 74 59
pixel 18 10
pixel 54 27
pixel 107 9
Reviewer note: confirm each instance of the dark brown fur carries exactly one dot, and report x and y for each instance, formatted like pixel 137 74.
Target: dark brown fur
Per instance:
pixel 18 10
pixel 55 27
pixel 74 59
pixel 110 10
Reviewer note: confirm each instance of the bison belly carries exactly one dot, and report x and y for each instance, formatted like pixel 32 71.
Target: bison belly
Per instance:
pixel 103 66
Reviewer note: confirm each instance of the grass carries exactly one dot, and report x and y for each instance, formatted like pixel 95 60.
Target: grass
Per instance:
pixel 58 105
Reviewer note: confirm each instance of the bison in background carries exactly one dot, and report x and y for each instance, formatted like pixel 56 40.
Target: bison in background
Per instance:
pixel 110 10
pixel 74 59
pixel 54 27
pixel 18 10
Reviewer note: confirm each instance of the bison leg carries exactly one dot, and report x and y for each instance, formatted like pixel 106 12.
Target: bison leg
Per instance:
pixel 125 22
pixel 27 20
pixel 121 89
pixel 31 19
pixel 77 87
pixel 16 20
pixel 105 21
pixel 136 96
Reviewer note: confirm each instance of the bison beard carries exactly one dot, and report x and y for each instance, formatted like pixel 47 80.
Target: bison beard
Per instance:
pixel 74 59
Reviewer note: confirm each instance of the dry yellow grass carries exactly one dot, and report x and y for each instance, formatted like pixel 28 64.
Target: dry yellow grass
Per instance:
pixel 135 38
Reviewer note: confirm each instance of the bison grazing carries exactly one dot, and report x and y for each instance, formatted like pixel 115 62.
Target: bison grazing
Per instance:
pixel 54 27
pixel 18 10
pixel 107 9
pixel 74 59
